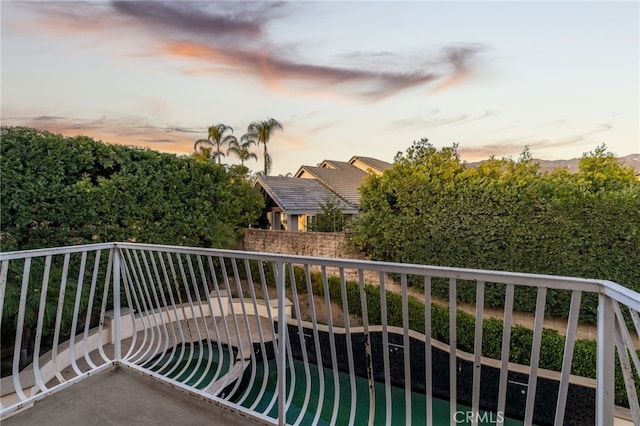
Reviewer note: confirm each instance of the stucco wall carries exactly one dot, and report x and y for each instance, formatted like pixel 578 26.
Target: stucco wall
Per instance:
pixel 322 244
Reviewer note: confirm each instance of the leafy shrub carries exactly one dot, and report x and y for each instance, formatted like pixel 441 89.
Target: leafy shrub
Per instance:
pixel 433 209
pixel 59 191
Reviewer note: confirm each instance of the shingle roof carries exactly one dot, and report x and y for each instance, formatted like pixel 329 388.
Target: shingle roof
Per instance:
pixel 376 164
pixel 300 196
pixel 341 165
pixel 343 181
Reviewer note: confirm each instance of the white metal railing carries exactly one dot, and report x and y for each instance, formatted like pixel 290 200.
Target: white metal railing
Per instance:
pixel 301 340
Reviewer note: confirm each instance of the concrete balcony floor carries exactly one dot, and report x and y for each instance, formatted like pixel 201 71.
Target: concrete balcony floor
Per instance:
pixel 120 396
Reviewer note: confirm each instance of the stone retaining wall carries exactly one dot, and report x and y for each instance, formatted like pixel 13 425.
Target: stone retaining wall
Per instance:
pixel 321 244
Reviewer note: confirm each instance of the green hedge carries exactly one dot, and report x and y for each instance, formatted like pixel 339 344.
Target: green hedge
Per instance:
pixel 59 191
pixel 432 209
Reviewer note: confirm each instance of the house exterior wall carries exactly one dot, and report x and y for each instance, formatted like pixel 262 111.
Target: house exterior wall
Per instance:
pixel 274 219
pixel 292 222
pixel 306 175
pixel 302 222
pixel 365 167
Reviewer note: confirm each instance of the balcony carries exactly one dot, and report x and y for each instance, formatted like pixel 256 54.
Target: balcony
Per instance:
pixel 276 339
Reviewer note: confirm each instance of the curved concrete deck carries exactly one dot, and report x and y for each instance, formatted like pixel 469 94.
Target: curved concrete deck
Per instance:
pixel 121 396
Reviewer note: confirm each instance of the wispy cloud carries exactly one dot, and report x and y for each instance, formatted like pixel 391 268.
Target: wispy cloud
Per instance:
pixel 233 37
pixel 540 146
pixel 460 58
pixel 190 18
pixel 433 119
pixel 271 68
pixel 122 130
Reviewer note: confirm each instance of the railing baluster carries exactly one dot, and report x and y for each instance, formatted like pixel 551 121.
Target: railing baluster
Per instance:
pixel 477 353
pixel 406 343
pixel 209 346
pixel 427 352
pixel 76 310
pixel 506 346
pixel 535 355
pixel 233 315
pixel 332 346
pixel 223 320
pixel 274 343
pixel 316 337
pixel 87 321
pixel 282 341
pixel 117 312
pixel 352 374
pixel 4 270
pixel 178 335
pixel 625 347
pixel 148 312
pixel 216 330
pixel 453 345
pixel 385 350
pixel 367 343
pixel 635 317
pixel 243 357
pixel 570 339
pixel 303 346
pixel 116 308
pixel 263 350
pixel 19 330
pixel 162 306
pixel 198 303
pixel 134 300
pixel 56 333
pixel 40 324
pixel 193 320
pixel 606 356
pixel 160 310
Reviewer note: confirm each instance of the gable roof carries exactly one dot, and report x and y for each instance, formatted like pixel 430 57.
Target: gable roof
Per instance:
pixel 332 164
pixel 343 181
pixel 374 163
pixel 300 196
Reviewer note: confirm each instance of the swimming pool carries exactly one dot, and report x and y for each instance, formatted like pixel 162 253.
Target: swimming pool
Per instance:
pixel 196 364
pixel 320 407
pixel 199 364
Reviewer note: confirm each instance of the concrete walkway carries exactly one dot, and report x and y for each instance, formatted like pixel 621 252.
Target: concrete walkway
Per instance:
pixel 123 397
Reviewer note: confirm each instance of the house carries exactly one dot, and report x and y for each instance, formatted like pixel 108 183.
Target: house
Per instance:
pixel 293 202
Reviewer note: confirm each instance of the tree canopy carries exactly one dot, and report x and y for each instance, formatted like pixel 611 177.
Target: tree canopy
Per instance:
pixel 259 132
pixel 219 135
pixel 73 190
pixel 431 208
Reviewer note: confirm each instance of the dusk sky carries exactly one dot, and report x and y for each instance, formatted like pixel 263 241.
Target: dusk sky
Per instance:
pixel 344 78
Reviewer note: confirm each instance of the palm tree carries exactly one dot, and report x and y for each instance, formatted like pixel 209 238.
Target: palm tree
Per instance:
pixel 216 139
pixel 242 150
pixel 205 153
pixel 260 132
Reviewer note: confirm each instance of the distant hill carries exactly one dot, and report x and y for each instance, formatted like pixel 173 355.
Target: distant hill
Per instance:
pixel 632 160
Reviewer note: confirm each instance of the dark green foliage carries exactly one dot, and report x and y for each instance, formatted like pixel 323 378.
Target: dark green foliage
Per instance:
pixel 330 218
pixel 430 208
pixel 60 191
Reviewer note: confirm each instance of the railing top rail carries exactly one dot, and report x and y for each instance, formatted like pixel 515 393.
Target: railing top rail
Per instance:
pixel 518 278
pixel 622 294
pixel 22 254
pixel 611 289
